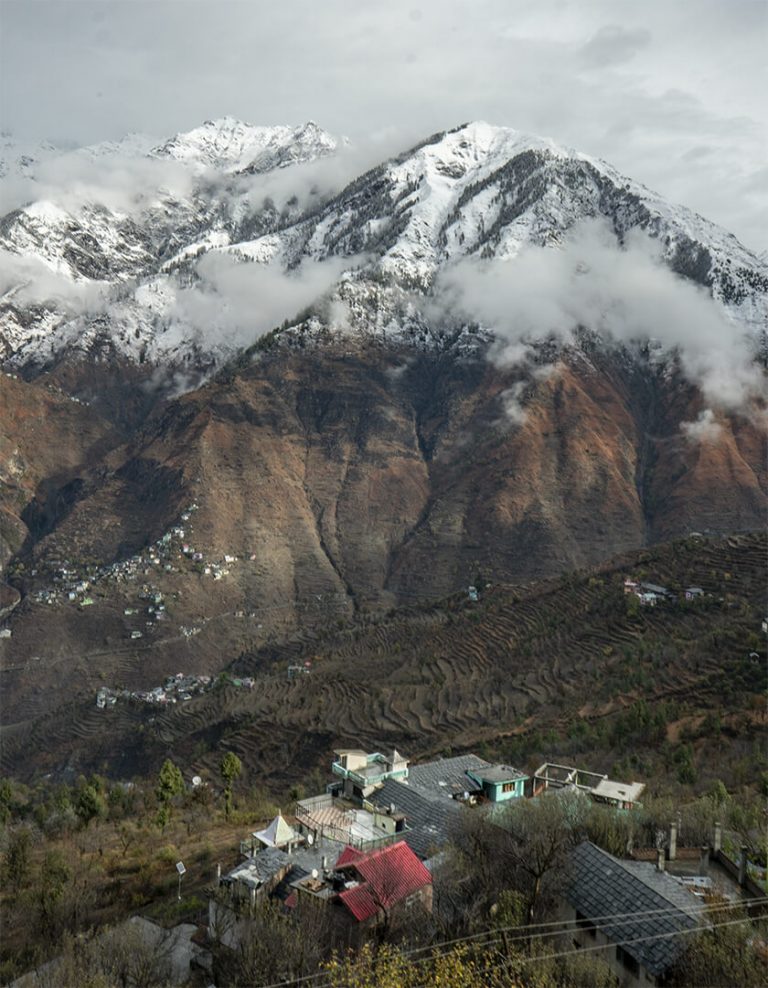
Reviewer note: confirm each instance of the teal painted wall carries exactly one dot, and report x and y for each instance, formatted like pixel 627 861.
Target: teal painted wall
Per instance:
pixel 497 794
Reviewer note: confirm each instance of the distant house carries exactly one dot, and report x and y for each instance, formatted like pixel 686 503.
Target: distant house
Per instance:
pixel 259 874
pixel 649 594
pixel 347 821
pixel 654 588
pixel 362 772
pixel 630 909
pixel 381 887
pixel 447 778
pixel 693 593
pixel 237 893
pixel 499 782
pixel 279 833
pixel 427 823
pixel 392 878
pixel 621 795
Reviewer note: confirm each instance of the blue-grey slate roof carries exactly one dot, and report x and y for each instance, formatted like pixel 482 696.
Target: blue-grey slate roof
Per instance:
pixel 428 822
pixel 497 774
pixel 446 777
pixel 259 868
pixel 602 885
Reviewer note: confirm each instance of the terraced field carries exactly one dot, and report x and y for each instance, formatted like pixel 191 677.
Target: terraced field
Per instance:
pixel 450 675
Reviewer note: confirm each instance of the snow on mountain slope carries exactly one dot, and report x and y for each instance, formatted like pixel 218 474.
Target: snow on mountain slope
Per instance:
pixel 231 145
pixel 478 191
pixel 174 192
pixel 19 159
pixel 488 191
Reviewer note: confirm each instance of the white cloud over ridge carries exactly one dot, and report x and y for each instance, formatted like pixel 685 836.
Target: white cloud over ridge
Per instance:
pixel 235 302
pixel 704 429
pixel 627 294
pixel 121 181
pixel 26 280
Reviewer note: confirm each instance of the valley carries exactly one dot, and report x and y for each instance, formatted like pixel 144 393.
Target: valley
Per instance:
pixel 546 670
pixel 254 417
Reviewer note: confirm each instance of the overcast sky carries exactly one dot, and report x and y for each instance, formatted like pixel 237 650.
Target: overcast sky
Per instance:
pixel 671 93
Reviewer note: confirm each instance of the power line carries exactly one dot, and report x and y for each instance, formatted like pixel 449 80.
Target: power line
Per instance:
pixel 605 946
pixel 566 924
pixel 619 918
pixel 642 939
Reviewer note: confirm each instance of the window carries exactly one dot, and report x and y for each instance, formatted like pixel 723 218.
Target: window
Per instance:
pixel 508 787
pixel 584 924
pixel 629 962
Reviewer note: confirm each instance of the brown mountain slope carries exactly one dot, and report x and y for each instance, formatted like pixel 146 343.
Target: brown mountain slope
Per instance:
pixel 370 467
pixel 561 657
pixel 46 440
pixel 342 477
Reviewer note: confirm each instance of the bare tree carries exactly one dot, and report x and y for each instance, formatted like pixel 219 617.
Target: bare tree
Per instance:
pixel 542 833
pixel 136 954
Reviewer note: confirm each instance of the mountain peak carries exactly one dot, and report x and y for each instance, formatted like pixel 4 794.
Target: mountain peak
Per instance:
pixel 232 145
pixel 477 191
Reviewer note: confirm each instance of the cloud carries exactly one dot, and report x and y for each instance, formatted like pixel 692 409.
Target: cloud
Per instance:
pixel 612 45
pixel 628 295
pixel 29 281
pixel 312 181
pixel 236 302
pixel 511 401
pixel 122 181
pixel 704 429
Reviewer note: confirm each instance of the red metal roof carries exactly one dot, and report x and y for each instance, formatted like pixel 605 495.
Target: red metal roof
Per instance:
pixel 348 856
pixel 387 877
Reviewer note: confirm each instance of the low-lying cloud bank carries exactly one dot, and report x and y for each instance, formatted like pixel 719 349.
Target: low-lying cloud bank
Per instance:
pixel 129 178
pixel 627 294
pixel 120 180
pixel 26 280
pixel 235 302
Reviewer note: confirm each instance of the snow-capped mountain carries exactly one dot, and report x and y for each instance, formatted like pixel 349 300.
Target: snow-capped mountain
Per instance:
pixel 489 191
pixel 21 158
pixel 378 448
pixel 230 145
pixel 122 271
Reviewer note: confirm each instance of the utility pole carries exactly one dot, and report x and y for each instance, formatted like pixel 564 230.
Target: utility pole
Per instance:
pixel 182 871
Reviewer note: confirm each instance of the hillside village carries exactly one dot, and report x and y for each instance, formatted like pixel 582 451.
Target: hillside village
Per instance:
pixel 371 860
pixel 383 557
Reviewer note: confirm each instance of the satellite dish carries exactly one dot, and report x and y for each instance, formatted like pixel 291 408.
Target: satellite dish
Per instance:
pixel 314 873
pixel 196 780
pixel 310 839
